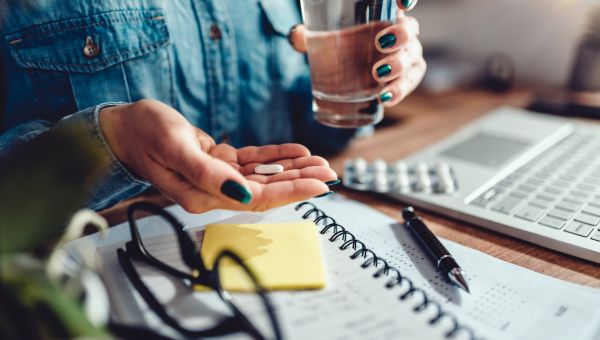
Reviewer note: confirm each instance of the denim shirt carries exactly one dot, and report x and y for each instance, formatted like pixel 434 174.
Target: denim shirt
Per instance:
pixel 224 64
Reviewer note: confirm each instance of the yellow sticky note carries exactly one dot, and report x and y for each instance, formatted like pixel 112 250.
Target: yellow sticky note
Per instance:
pixel 283 256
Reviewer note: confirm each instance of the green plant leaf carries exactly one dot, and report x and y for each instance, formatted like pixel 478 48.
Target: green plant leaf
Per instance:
pixel 42 183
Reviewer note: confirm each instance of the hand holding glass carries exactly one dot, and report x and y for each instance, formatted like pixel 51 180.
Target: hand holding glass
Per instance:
pixel 360 59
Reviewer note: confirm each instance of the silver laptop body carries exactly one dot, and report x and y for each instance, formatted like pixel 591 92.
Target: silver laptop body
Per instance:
pixel 532 176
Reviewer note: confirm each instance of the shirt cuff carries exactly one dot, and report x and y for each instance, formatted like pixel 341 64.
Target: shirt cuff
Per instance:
pixel 118 183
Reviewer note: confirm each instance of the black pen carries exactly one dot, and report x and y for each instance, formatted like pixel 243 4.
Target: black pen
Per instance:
pixel 436 249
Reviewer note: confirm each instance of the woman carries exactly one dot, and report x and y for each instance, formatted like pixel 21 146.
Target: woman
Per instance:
pixel 215 70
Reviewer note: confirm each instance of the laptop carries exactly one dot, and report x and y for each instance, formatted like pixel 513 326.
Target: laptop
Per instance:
pixel 532 176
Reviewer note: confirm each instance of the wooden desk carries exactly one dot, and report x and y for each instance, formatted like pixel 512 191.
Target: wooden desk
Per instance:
pixel 419 121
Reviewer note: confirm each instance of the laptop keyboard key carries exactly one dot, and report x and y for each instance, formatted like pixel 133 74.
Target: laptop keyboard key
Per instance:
pixel 543 175
pixel 591 181
pixel 585 187
pixel 540 203
pixel 526 188
pixel 568 178
pixel 595 202
pixel 552 191
pixel 560 184
pixel 535 181
pixel 560 214
pixel 518 194
pixel 506 205
pixel 551 222
pixel 573 200
pixel 530 213
pixel 587 219
pixel 592 211
pixel 548 198
pixel 568 206
pixel 579 229
pixel 596 235
pixel 579 194
pixel 594 175
pixel 484 199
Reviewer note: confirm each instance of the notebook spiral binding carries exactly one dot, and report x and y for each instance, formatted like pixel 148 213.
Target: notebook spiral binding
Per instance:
pixel 371 259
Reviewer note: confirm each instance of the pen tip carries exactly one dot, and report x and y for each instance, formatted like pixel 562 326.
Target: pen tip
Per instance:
pixel 457 277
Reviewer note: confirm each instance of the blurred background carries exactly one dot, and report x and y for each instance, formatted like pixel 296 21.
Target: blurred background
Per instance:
pixel 539 40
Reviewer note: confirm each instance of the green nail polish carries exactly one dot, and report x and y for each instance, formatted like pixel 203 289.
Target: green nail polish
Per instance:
pixel 236 191
pixel 386 96
pixel 325 194
pixel 407 3
pixel 384 70
pixel 333 182
pixel 387 40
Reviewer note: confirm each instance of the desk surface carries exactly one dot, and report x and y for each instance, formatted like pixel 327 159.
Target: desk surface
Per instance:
pixel 419 121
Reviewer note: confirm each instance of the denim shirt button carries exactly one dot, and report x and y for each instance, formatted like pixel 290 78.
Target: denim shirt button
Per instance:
pixel 91 49
pixel 215 32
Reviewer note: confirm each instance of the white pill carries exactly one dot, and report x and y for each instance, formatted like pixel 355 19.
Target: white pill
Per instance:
pixel 360 165
pixel 442 168
pixel 380 183
pixel 268 169
pixel 424 182
pixel 422 168
pixel 402 182
pixel 400 167
pixel 446 184
pixel 379 166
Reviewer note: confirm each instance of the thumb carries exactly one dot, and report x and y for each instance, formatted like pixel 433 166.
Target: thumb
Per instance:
pixel 297 38
pixel 213 176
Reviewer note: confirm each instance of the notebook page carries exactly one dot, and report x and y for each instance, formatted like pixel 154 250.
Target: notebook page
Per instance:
pixel 516 302
pixel 354 305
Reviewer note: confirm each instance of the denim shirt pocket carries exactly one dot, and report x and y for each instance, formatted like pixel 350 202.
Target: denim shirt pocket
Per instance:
pixel 109 56
pixel 282 15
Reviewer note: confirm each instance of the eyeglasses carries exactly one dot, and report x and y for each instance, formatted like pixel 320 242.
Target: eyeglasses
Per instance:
pixel 243 307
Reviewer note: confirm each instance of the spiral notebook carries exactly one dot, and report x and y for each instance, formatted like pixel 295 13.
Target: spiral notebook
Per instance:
pixel 380 285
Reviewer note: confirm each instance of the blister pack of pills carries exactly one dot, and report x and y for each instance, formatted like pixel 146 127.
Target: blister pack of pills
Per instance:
pixel 400 177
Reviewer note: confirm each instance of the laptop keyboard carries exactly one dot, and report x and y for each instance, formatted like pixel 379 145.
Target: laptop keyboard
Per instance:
pixel 558 189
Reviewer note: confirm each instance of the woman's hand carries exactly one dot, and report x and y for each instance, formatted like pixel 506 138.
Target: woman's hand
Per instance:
pixel 304 175
pixel 158 144
pixel 402 67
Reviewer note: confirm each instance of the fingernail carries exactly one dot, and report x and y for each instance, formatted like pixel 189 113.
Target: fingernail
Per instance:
pixel 386 96
pixel 333 182
pixel 236 191
pixel 387 40
pixel 383 70
pixel 407 3
pixel 324 195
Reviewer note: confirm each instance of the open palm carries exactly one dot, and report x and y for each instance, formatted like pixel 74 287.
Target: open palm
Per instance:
pixel 183 162
pixel 304 175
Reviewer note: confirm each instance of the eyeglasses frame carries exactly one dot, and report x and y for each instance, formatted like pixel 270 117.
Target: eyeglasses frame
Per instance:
pixel 201 275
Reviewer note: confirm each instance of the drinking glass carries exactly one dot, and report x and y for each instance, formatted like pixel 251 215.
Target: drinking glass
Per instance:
pixel 341 53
